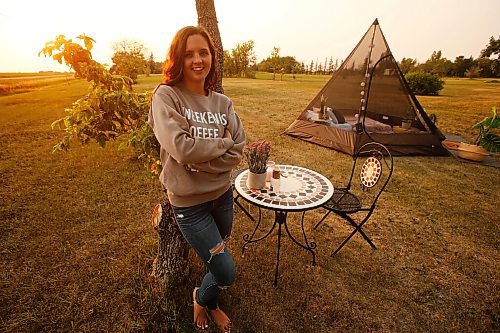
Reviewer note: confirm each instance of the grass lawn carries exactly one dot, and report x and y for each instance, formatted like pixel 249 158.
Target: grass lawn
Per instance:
pixel 76 243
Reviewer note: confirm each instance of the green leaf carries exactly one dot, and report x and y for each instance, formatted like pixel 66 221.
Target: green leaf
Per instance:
pixel 58 57
pixel 58 124
pixel 87 41
pixel 490 142
pixel 124 145
pixel 495 122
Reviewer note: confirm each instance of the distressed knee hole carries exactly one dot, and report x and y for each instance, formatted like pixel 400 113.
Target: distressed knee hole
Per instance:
pixel 217 249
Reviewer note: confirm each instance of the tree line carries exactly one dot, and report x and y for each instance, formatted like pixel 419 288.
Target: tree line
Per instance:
pixel 484 66
pixel 129 59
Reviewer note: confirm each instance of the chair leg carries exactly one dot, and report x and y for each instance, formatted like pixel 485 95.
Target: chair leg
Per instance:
pixel 357 228
pixel 321 221
pixel 343 243
pixel 366 238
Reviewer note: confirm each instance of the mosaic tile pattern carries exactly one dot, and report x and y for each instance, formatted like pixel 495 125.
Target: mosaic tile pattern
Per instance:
pixel 300 189
pixel 371 172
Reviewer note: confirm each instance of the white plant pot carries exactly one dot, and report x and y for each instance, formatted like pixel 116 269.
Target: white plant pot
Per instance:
pixel 256 181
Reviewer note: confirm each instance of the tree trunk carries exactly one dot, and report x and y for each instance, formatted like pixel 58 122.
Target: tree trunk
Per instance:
pixel 207 18
pixel 171 264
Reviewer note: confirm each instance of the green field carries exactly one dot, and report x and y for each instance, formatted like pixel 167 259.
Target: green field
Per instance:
pixel 77 245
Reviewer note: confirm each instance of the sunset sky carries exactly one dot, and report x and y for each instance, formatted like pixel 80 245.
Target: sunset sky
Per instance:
pixel 307 30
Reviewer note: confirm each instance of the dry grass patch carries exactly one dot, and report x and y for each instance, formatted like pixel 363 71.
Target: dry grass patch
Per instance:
pixel 77 245
pixel 23 82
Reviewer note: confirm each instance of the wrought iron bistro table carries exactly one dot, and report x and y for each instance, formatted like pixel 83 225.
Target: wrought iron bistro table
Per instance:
pixel 300 190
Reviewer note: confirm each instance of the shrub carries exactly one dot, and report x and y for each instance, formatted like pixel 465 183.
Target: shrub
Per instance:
pixel 109 110
pixel 424 83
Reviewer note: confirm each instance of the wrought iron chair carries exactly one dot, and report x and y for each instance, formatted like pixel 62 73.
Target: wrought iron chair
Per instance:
pixel 235 174
pixel 373 165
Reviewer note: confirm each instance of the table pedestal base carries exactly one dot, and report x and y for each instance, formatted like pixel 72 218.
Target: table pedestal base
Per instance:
pixel 280 219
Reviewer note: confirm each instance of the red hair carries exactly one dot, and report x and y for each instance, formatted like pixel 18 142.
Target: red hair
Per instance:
pixel 172 68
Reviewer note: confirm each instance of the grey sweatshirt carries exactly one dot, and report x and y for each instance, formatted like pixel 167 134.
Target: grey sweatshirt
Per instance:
pixel 196 159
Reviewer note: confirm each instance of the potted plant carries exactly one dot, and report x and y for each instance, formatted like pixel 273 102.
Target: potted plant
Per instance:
pixel 257 155
pixel 486 141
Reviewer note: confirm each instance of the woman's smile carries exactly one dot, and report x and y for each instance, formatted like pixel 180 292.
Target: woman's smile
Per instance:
pixel 197 62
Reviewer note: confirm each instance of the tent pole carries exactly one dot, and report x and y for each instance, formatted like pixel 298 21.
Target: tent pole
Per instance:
pixel 360 125
pixel 368 93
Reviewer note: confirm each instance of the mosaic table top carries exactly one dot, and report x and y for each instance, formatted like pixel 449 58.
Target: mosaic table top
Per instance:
pixel 300 189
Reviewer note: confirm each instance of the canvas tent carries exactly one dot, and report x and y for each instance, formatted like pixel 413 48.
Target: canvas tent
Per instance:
pixel 372 96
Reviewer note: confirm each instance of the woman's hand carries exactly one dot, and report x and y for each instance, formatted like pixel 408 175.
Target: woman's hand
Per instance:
pixel 227 134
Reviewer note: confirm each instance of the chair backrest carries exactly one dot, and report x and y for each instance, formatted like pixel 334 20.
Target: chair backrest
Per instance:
pixel 372 169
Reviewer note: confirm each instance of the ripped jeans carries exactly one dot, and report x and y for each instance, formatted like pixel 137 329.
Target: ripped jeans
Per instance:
pixel 206 227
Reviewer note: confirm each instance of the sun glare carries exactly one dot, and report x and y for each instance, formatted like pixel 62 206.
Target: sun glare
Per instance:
pixel 305 30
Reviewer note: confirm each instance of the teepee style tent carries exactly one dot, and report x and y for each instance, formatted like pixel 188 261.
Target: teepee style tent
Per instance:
pixel 367 100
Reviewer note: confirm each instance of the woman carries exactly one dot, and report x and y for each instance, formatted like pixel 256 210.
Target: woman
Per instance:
pixel 201 140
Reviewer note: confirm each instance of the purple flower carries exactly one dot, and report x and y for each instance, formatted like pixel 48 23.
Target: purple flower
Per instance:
pixel 257 153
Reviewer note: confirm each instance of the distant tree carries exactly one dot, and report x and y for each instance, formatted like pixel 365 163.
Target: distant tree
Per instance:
pixel 489 67
pixel 229 65
pixel 244 58
pixel 128 59
pixel 461 65
pixel 240 61
pixel 274 60
pixel 473 72
pixel 158 67
pixel 154 67
pixel 493 48
pixel 265 66
pixel 287 65
pixel 330 66
pixel 150 66
pixel 436 65
pixel 407 65
pixel 302 67
pixel 311 67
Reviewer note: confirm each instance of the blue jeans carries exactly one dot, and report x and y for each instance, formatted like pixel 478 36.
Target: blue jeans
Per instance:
pixel 206 227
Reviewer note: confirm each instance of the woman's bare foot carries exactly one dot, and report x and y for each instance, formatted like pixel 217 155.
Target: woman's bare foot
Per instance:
pixel 221 320
pixel 200 314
